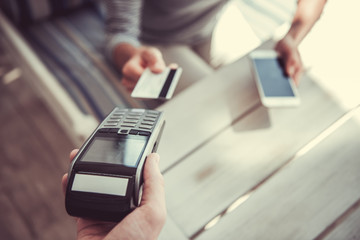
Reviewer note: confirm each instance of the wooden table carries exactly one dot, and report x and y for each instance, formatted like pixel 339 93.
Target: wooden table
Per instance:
pixel 236 170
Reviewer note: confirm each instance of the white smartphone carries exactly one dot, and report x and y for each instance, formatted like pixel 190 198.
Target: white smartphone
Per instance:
pixel 275 88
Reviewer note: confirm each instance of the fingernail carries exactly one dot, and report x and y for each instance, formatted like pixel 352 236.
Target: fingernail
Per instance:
pixel 173 65
pixel 291 71
pixel 158 66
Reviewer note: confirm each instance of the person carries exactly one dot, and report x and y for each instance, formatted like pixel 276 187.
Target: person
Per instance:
pixel 130 24
pixel 145 222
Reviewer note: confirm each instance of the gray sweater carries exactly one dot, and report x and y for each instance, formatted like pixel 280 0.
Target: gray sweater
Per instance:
pixel 160 21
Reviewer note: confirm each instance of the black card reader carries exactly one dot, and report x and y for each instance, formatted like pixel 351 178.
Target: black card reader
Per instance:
pixel 105 177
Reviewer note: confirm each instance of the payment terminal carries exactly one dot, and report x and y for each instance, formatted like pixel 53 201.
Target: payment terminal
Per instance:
pixel 106 176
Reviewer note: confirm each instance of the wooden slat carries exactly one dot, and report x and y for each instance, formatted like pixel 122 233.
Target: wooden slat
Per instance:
pixel 13 225
pixel 75 124
pixel 171 231
pixel 200 112
pixel 195 68
pixel 99 62
pixel 36 115
pixel 243 155
pixel 349 227
pixel 34 153
pixel 206 108
pixel 77 64
pixel 305 197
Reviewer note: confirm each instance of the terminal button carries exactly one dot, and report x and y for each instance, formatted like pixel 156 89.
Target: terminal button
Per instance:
pixel 144 133
pixel 147 123
pixel 132 118
pixel 149 120
pixel 130 122
pixel 117 115
pixel 145 127
pixel 150 116
pixel 134 132
pixel 104 130
pixel 113 130
pixel 123 131
pixel 110 124
pixel 128 125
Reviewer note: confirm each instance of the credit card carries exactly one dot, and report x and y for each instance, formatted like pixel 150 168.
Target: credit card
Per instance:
pixel 157 85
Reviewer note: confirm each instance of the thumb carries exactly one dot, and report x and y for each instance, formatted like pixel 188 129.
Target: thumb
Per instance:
pixel 153 199
pixel 65 176
pixel 154 193
pixel 153 59
pixel 64 182
pixel 290 70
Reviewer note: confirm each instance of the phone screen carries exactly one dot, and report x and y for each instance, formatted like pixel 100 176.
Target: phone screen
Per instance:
pixel 274 81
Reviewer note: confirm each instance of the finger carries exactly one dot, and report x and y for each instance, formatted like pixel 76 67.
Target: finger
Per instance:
pixel 153 59
pixel 153 199
pixel 154 193
pixel 150 55
pixel 297 75
pixel 64 182
pixel 128 84
pixel 290 70
pixel 73 154
pixel 149 218
pixel 64 178
pixel 133 69
pixel 173 65
pixel 294 69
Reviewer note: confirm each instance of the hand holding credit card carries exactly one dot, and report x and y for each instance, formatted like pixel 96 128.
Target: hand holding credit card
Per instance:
pixel 157 85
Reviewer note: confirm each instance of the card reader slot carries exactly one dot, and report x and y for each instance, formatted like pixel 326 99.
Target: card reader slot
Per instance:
pixel 104 169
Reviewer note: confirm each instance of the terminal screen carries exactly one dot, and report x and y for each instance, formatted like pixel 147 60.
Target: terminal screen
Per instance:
pixel 122 151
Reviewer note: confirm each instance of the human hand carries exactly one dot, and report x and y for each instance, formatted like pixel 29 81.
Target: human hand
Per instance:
pixel 133 61
pixel 289 53
pixel 145 222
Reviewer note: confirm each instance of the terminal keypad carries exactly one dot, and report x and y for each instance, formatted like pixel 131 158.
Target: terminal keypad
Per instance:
pixel 131 121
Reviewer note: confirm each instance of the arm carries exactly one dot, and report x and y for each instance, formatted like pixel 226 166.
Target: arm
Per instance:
pixel 122 25
pixel 306 15
pixel 123 46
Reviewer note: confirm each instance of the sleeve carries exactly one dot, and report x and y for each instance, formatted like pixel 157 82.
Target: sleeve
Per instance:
pixel 122 23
